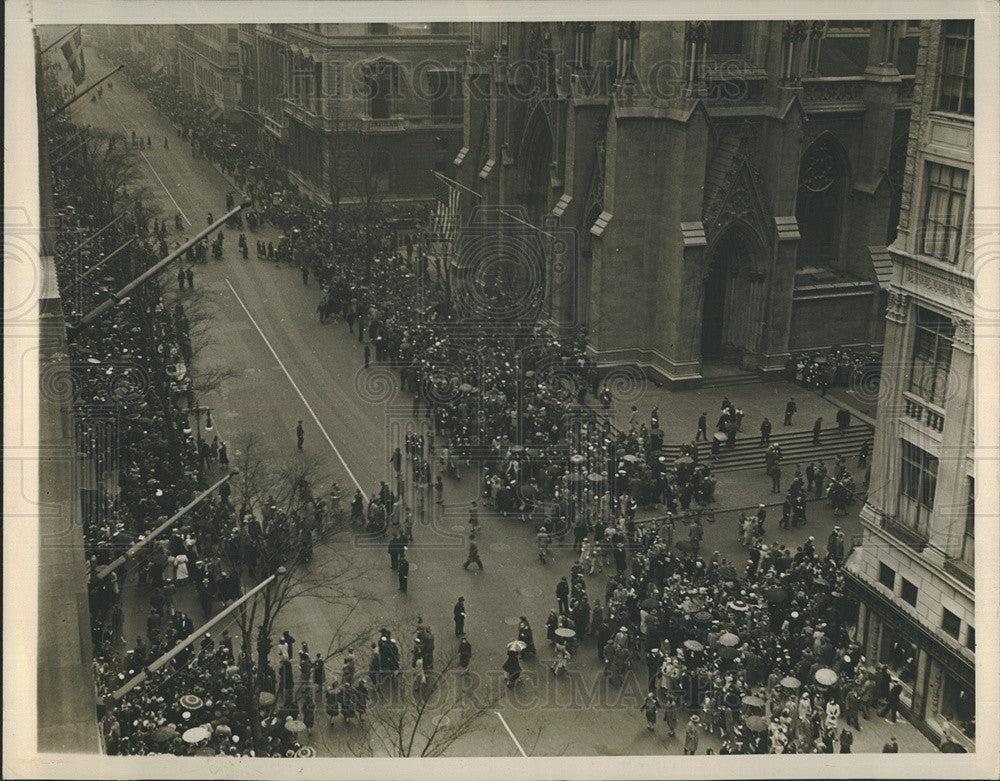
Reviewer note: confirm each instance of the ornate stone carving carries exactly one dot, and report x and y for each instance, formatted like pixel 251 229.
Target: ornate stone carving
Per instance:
pixel 795 31
pixel 896 306
pixel 819 169
pixel 628 30
pixel 832 91
pixel 963 332
pixel 697 32
pixel 949 291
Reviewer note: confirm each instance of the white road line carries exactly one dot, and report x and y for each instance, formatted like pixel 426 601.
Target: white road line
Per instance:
pixel 294 385
pixel 171 197
pixel 504 722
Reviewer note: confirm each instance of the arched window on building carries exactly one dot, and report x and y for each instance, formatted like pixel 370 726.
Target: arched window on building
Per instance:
pixel 820 203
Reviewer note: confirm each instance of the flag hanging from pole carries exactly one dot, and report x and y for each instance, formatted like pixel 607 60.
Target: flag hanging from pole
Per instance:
pixel 73 52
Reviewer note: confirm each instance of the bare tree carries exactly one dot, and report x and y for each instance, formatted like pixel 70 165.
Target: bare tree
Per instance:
pixel 423 714
pixel 278 537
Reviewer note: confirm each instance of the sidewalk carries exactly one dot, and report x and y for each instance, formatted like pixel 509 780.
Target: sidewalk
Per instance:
pixel 679 410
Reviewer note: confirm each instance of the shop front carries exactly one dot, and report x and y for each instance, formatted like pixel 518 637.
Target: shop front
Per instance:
pixel 938 684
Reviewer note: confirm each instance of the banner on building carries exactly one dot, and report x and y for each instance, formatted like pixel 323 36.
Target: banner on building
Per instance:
pixel 73 52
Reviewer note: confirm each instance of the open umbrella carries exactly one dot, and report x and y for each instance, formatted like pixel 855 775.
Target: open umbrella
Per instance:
pixel 693 645
pixel 728 639
pixel 565 631
pixel 702 617
pixel 630 458
pixel 756 723
pixel 826 676
pixel 306 752
pixel 753 701
pixel 790 682
pixel 719 436
pixel 195 735
pixel 191 701
pixel 516 645
pixel 577 458
pixel 295 726
pixel 465 387
pixel 739 606
pixel 595 477
pixel 266 699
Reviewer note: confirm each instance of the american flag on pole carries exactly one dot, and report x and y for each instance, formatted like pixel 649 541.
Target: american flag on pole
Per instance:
pixel 73 52
pixel 445 220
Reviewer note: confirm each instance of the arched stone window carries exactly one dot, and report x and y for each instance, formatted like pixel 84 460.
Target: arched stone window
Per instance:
pixel 820 203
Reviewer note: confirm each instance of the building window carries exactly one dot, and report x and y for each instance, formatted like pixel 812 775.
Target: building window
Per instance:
pixel 819 203
pixel 970 639
pixel 887 576
pixel 583 45
pixel 725 38
pixel 956 92
pixel 917 485
pixel 440 28
pixel 932 344
pixel 628 34
pixel 232 35
pixel 944 207
pixel 969 538
pixel 898 654
pixel 378 28
pixel 950 623
pixel 908 592
pixel 381 84
pixel 958 705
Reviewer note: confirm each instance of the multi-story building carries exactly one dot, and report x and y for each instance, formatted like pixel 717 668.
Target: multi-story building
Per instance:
pixel 732 185
pixel 913 572
pixel 356 111
pixel 209 66
pixel 157 43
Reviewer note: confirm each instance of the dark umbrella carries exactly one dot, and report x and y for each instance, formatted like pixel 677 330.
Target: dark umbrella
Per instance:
pixel 702 617
pixel 776 595
pixel 649 604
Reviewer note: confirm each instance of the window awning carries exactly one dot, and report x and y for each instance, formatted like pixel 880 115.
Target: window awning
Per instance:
pixel 882 265
pixel 560 207
pixel 601 223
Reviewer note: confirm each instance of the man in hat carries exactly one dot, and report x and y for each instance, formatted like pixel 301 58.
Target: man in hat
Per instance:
pixel 691 736
pixel 300 434
pixel 702 427
pixel 765 432
pixel 891 747
pixel 790 409
pixel 459 613
pixel 817 427
pixel 403 570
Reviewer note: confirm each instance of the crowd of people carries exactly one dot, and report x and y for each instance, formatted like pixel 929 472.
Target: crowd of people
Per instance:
pixel 516 405
pixel 837 367
pixel 762 658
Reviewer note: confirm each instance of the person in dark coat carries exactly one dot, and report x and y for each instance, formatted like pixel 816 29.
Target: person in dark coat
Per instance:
pixel 892 702
pixel 817 427
pixel 790 409
pixel 403 570
pixel 464 654
pixel 512 667
pixel 459 613
pixel 562 596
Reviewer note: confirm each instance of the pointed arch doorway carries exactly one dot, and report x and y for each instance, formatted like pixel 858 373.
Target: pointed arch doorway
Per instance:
pixel 734 291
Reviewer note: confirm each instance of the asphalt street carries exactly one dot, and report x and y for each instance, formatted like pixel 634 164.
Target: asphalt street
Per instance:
pixel 287 367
